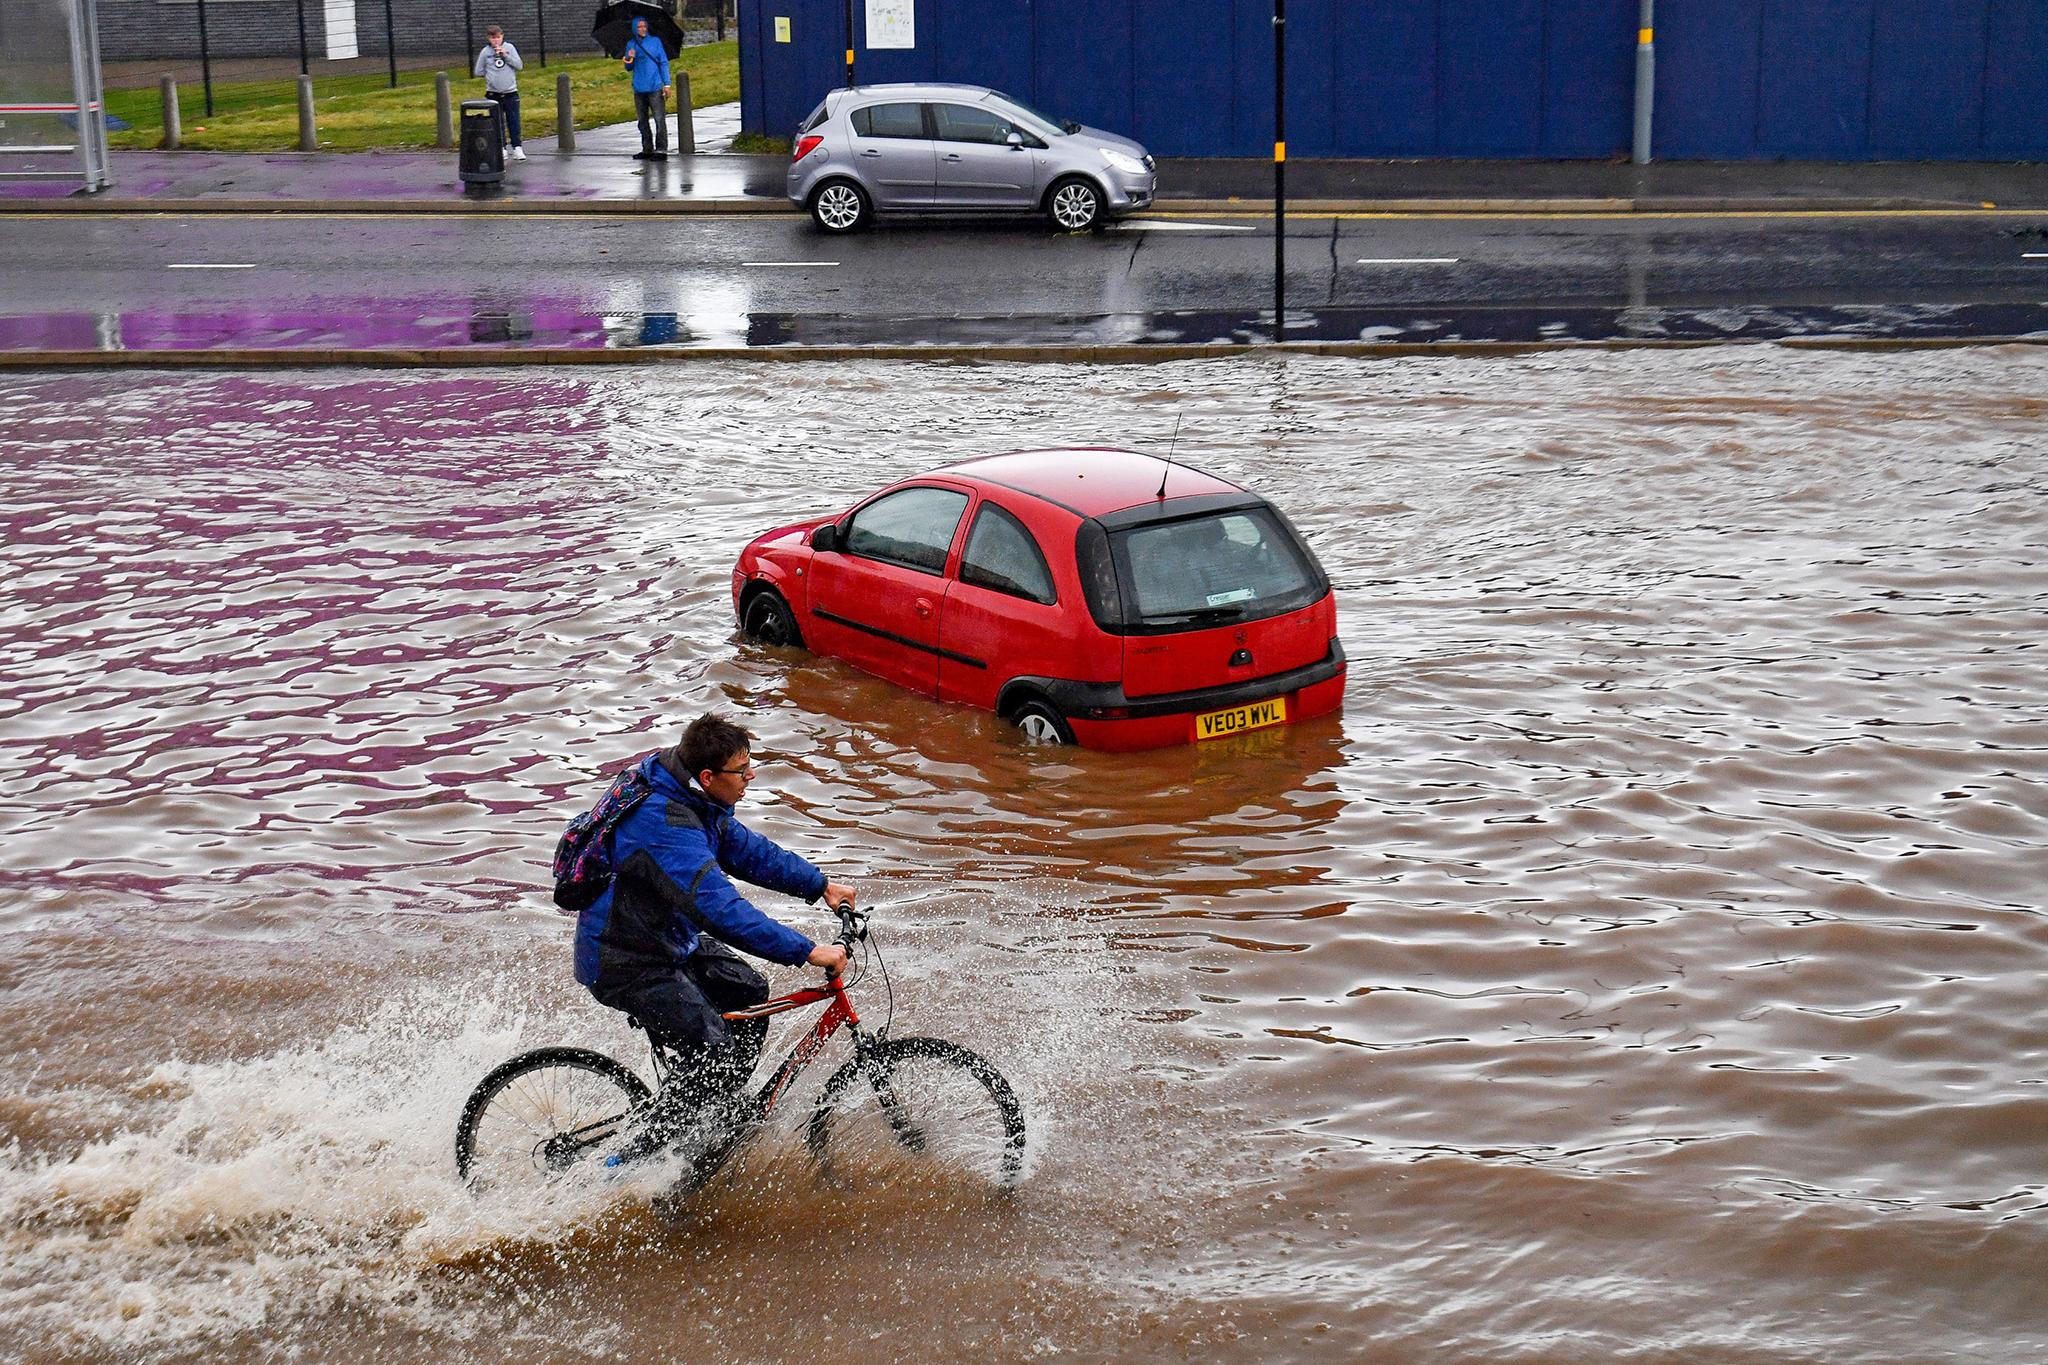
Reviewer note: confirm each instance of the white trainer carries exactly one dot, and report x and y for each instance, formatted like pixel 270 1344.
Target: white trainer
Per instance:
pixel 519 153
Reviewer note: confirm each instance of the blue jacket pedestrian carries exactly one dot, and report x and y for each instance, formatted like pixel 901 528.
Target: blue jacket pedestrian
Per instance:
pixel 646 60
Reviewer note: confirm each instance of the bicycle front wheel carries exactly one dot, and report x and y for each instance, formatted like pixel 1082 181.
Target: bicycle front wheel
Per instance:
pixel 541 1113
pixel 913 1106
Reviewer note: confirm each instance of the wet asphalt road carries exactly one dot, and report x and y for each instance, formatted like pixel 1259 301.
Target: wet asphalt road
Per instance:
pixel 771 280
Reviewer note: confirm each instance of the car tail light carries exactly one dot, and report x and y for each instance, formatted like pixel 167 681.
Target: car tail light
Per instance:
pixel 804 147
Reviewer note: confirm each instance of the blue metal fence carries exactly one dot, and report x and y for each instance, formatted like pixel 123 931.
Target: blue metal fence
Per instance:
pixel 1736 79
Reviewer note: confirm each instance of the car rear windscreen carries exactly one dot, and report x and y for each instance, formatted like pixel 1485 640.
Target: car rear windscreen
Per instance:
pixel 1236 565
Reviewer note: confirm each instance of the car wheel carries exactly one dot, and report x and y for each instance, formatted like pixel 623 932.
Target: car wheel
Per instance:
pixel 841 206
pixel 770 620
pixel 1075 204
pixel 1042 724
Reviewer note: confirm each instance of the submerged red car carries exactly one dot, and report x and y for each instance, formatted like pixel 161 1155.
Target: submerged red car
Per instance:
pixel 1099 597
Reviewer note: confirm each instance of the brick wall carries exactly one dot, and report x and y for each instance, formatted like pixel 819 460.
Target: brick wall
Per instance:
pixel 132 30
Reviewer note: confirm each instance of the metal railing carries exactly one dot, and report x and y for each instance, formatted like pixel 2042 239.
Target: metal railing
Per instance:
pixel 50 101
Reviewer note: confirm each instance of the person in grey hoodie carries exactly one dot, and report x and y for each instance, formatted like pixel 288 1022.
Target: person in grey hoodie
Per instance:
pixel 499 65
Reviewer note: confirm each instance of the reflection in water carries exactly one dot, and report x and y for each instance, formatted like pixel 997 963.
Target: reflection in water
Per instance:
pixel 1646 957
pixel 721 318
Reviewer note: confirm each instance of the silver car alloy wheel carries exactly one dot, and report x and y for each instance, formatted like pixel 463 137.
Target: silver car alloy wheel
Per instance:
pixel 839 207
pixel 1039 728
pixel 1073 206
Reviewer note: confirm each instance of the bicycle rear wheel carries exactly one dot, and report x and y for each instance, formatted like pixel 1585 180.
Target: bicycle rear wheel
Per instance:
pixel 541 1113
pixel 915 1106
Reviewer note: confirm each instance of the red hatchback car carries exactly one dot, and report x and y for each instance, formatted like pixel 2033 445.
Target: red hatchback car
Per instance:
pixel 1099 597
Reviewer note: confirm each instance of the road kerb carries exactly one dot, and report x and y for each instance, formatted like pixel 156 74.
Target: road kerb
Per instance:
pixel 1164 208
pixel 473 357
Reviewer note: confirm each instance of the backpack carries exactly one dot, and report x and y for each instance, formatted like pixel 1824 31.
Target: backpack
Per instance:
pixel 583 857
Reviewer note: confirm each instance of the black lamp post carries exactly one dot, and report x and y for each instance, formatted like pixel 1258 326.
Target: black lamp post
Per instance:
pixel 1279 169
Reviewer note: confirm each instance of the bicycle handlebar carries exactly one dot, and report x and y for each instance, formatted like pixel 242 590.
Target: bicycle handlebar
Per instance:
pixel 853 924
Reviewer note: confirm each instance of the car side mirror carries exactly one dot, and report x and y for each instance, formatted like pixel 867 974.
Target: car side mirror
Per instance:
pixel 1015 140
pixel 826 537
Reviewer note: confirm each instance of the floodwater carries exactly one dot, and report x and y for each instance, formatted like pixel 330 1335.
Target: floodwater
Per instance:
pixel 1646 964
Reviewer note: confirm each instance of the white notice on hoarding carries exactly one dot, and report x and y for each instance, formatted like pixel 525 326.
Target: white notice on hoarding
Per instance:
pixel 892 23
pixel 341 30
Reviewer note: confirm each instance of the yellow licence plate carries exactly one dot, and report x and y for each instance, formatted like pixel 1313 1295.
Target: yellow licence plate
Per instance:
pixel 1238 719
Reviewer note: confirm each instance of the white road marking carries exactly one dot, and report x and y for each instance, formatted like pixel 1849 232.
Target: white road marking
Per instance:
pixel 789 263
pixel 1185 227
pixel 2034 255
pixel 1408 260
pixel 211 265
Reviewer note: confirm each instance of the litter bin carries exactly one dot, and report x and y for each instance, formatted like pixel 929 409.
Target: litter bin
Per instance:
pixel 482 142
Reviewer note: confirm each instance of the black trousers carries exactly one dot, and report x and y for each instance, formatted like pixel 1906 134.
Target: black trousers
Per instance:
pixel 681 1011
pixel 651 105
pixel 508 100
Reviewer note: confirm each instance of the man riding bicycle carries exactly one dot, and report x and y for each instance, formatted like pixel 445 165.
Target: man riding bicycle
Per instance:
pixel 653 944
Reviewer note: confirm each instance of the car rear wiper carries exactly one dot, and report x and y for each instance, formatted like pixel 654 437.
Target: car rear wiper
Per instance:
pixel 1180 618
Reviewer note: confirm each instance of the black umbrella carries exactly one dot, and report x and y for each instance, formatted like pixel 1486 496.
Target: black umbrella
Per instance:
pixel 613 27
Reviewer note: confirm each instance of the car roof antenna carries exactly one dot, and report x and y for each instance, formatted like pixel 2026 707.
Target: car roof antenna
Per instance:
pixel 1161 494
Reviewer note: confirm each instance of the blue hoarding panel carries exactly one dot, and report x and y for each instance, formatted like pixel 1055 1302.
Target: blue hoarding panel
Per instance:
pixel 1312 90
pixel 1386 76
pixel 1707 64
pixel 1490 78
pixel 2016 81
pixel 880 66
pixel 1814 82
pixel 1084 58
pixel 1252 90
pixel 795 75
pixel 1589 78
pixel 1185 81
pixel 1927 78
pixel 984 42
pixel 1736 79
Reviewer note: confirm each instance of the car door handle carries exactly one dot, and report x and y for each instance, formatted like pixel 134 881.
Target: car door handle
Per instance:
pixel 871 152
pixel 952 156
pixel 923 605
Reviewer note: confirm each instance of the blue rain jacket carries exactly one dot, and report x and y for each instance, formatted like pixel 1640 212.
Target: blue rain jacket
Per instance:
pixel 673 857
pixel 650 64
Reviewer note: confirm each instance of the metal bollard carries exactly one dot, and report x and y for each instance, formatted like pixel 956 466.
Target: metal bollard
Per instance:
pixel 444 111
pixel 565 117
pixel 308 139
pixel 168 88
pixel 686 123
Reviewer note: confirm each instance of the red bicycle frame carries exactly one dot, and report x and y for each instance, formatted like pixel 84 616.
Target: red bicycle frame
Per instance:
pixel 839 1013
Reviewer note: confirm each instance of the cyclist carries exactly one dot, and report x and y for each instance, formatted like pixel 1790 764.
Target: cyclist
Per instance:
pixel 653 944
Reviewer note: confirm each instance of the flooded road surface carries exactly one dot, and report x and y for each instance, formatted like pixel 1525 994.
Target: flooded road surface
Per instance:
pixel 1646 963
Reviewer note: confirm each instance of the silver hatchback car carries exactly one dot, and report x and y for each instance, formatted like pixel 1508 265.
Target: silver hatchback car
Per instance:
pixel 958 149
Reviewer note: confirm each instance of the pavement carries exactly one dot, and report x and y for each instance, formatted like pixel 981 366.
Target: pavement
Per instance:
pixel 601 177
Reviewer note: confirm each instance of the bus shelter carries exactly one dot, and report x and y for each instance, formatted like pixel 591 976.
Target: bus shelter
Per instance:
pixel 50 92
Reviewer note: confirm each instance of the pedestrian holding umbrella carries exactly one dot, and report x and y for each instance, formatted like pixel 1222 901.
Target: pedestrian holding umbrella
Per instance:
pixel 645 54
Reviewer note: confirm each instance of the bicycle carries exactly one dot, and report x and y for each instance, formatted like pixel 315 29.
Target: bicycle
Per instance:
pixel 550 1111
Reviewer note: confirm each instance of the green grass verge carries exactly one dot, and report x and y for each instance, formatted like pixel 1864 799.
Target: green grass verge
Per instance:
pixel 359 113
pixel 760 144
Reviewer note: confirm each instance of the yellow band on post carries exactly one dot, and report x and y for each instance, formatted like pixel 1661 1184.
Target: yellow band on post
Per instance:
pixel 1279 151
pixel 1645 36
pixel 849 56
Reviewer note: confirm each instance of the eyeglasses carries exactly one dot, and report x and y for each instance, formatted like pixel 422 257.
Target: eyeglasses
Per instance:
pixel 745 769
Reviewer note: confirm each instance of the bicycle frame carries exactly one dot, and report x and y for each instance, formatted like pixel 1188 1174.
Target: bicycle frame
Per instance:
pixel 839 1013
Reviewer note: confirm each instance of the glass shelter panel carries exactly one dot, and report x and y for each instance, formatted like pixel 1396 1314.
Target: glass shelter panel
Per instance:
pixel 50 91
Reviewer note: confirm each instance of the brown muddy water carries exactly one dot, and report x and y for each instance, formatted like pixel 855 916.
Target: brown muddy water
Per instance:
pixel 1647 963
